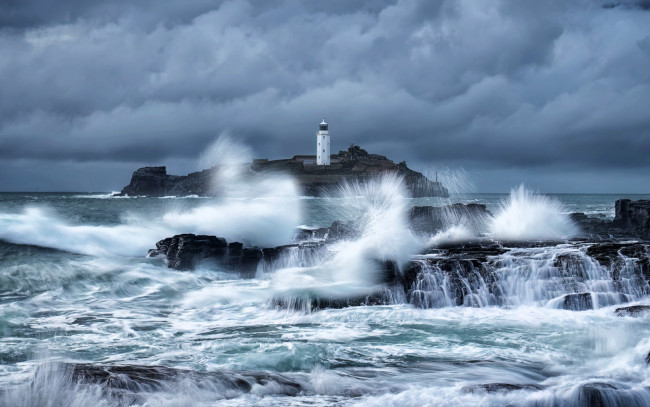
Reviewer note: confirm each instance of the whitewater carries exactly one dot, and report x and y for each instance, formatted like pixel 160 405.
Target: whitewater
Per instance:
pixel 86 318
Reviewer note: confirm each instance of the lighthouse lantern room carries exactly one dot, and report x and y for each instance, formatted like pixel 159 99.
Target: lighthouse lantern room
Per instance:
pixel 323 145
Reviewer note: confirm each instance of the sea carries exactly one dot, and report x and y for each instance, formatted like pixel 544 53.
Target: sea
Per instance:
pixel 87 319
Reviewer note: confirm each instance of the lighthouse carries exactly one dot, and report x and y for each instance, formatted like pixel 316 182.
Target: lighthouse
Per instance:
pixel 323 145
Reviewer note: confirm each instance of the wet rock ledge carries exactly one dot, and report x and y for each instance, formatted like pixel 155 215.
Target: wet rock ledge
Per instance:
pixel 631 220
pixel 184 252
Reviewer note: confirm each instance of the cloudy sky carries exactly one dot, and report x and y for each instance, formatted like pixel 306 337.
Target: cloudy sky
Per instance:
pixel 552 93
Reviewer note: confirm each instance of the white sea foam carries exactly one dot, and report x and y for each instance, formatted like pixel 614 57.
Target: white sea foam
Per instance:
pixel 257 211
pixel 378 209
pixel 453 234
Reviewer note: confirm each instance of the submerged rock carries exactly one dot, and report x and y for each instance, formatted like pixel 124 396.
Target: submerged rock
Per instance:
pixel 578 302
pixel 131 382
pixel 619 255
pixel 499 387
pixel 633 310
pixel 389 288
pixel 311 304
pixel 597 394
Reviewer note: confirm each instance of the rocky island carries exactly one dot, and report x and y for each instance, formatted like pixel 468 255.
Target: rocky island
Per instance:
pixel 353 164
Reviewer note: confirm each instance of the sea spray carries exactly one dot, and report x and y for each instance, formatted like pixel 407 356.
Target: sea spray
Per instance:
pixel 530 216
pixel 377 209
pixel 98 312
pixel 456 180
pixel 452 234
pixel 40 226
pixel 225 151
pixel 256 210
pixel 265 213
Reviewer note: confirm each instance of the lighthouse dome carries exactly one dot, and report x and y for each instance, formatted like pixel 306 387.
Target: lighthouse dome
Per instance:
pixel 323 125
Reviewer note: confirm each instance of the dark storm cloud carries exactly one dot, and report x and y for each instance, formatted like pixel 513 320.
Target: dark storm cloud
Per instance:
pixel 496 84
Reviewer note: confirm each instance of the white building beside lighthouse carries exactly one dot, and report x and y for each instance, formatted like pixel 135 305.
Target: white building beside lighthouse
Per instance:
pixel 323 145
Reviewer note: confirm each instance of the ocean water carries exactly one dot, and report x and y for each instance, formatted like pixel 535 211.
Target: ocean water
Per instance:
pixel 79 297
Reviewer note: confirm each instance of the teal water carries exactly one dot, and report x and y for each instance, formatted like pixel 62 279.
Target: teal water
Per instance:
pixel 76 287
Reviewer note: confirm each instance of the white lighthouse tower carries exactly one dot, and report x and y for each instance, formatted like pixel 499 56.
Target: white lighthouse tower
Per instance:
pixel 323 145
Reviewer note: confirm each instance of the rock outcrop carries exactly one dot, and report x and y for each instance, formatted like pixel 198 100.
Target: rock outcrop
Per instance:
pixel 431 219
pixel 578 276
pixel 631 220
pixel 578 302
pixel 618 255
pixel 584 277
pixel 594 228
pixel 633 216
pixel 184 252
pixel 154 181
pixel 354 164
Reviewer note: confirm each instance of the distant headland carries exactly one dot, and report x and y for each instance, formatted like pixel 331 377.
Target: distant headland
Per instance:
pixel 353 164
pixel 315 174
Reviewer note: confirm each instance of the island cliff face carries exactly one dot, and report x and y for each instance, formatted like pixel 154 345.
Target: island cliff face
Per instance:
pixel 350 165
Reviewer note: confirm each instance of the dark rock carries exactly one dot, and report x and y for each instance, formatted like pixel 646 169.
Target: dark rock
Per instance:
pixel 572 265
pixel 596 394
pixel 647 358
pixel 147 181
pixel 499 387
pixel 471 250
pixel 387 272
pixel 154 181
pixel 633 216
pixel 312 304
pixel 596 228
pixel 632 220
pixel 431 219
pixel 235 249
pixel 577 302
pixel 459 271
pixel 633 310
pixel 128 382
pixel 250 258
pixel 617 255
pixel 184 251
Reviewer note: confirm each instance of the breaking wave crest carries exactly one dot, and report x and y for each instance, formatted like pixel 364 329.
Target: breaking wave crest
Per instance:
pixel 530 216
